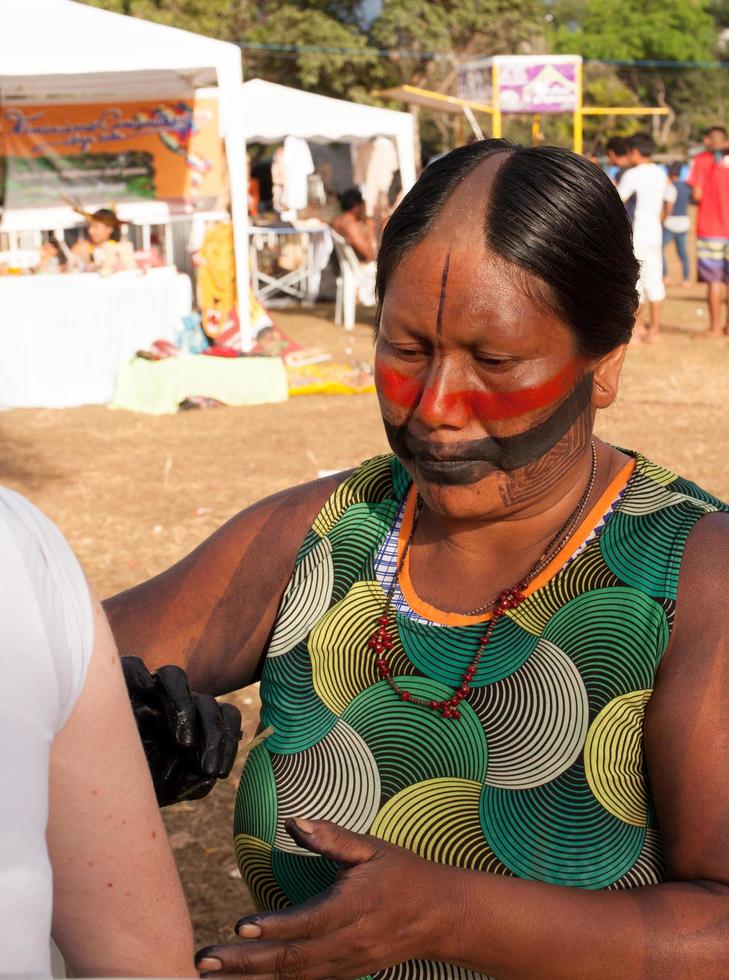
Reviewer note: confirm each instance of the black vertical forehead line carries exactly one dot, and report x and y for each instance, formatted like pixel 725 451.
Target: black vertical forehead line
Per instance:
pixel 442 297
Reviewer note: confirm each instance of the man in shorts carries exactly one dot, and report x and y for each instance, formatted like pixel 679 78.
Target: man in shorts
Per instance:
pixel 649 183
pixel 709 179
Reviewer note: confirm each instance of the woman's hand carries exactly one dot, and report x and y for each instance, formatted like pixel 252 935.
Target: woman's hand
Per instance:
pixel 385 907
pixel 190 739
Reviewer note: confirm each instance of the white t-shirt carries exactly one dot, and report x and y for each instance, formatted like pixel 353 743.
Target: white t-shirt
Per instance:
pixel 46 641
pixel 649 183
pixel 675 222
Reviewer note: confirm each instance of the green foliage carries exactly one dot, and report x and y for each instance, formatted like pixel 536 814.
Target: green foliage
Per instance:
pixel 675 30
pixel 609 30
pixel 212 17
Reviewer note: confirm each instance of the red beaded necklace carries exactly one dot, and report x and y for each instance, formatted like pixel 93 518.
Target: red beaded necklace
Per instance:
pixel 381 640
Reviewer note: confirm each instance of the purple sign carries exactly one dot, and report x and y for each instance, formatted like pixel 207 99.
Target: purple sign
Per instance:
pixel 537 87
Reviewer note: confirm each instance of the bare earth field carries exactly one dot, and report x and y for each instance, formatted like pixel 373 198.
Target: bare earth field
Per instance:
pixel 134 493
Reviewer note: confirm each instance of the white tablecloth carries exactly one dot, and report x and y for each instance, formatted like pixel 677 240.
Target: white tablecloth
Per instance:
pixel 64 337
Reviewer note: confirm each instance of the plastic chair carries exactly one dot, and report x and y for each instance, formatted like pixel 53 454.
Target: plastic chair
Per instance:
pixel 349 273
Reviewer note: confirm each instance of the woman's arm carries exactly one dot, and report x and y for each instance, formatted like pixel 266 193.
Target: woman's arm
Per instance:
pixel 118 906
pixel 389 905
pixel 212 613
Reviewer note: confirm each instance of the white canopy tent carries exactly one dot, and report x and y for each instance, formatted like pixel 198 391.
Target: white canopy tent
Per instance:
pixel 271 112
pixel 60 50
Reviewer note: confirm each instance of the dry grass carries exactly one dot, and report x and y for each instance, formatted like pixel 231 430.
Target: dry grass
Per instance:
pixel 135 493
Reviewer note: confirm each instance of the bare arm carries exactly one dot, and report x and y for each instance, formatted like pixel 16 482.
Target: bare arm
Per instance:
pixel 212 613
pixel 361 237
pixel 118 907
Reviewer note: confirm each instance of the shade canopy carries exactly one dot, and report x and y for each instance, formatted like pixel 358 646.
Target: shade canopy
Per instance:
pixel 272 112
pixel 60 50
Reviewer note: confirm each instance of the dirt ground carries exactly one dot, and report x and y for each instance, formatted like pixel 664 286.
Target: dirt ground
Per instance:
pixel 134 493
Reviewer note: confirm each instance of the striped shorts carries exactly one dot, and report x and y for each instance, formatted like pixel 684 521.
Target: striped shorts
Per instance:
pixel 713 259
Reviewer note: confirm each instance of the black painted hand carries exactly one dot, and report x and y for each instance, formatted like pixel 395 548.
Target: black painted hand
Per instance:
pixel 386 907
pixel 189 739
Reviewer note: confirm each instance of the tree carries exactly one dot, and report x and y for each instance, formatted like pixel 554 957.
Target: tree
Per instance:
pixel 650 30
pixel 671 30
pixel 326 25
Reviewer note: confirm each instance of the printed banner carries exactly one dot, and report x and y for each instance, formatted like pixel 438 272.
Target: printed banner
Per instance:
pixel 104 154
pixel 537 88
pixel 527 84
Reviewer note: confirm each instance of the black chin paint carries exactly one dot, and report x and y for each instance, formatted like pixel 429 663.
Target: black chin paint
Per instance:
pixel 463 463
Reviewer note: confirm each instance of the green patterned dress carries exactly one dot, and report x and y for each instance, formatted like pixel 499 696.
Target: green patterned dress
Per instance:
pixel 542 777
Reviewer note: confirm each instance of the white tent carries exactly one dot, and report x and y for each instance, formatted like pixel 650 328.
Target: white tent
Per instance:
pixel 270 112
pixel 67 51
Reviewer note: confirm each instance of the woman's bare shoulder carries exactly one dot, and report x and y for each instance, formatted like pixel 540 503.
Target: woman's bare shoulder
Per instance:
pixel 212 612
pixel 286 516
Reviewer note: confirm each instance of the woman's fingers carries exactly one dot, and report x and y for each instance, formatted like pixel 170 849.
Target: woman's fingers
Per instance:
pixel 306 960
pixel 319 916
pixel 178 703
pixel 231 738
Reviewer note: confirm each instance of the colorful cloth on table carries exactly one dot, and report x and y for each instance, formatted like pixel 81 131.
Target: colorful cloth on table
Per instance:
pixel 543 775
pixel 710 175
pixel 330 379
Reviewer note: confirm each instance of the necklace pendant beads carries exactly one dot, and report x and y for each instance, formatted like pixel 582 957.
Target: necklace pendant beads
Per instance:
pixel 381 640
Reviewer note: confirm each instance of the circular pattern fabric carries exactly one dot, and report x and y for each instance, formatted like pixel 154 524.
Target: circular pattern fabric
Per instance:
pixel 542 777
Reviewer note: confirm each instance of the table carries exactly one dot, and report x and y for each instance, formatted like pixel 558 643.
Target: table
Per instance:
pixel 64 337
pixel 301 283
pixel 158 387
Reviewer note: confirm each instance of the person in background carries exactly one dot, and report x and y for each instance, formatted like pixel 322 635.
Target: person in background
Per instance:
pixel 358 231
pixel 709 179
pixel 354 226
pixel 677 223
pixel 649 183
pixel 617 149
pixel 102 250
pixel 83 850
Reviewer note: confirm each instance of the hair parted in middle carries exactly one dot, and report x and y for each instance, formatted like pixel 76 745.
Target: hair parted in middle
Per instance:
pixel 551 214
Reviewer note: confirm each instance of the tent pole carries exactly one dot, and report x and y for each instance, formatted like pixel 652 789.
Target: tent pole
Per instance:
pixel 230 82
pixel 577 117
pixel 496 130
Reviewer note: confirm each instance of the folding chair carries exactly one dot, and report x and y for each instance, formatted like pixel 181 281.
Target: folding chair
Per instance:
pixel 347 282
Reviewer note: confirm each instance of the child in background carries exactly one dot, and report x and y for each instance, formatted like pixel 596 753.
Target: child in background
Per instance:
pixel 677 222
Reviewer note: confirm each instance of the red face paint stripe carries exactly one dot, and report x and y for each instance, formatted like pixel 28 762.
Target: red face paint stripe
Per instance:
pixel 397 388
pixel 400 389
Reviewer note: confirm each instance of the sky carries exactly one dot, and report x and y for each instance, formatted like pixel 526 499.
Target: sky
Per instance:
pixel 370 9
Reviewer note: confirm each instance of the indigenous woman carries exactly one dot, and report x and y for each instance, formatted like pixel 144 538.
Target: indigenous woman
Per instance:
pixel 495 661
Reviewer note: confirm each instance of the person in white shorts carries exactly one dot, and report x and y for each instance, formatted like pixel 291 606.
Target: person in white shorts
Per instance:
pixel 650 184
pixel 83 850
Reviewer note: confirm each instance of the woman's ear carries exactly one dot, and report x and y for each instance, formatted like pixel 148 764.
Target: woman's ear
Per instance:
pixel 605 377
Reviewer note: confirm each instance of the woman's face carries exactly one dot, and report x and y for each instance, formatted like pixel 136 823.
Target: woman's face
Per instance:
pixel 99 232
pixel 484 397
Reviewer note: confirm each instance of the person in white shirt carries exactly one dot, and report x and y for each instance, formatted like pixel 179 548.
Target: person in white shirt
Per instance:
pixel 650 184
pixel 83 850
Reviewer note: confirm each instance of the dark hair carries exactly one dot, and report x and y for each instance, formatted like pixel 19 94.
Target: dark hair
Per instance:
pixel 675 168
pixel 714 129
pixel 108 217
pixel 350 198
pixel 618 144
pixel 550 213
pixel 643 143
